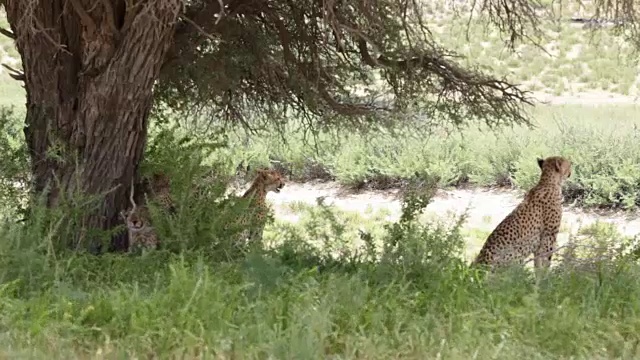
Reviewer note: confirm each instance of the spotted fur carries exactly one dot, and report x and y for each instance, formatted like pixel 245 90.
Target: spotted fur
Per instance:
pixel 160 191
pixel 137 220
pixel 255 219
pixel 533 226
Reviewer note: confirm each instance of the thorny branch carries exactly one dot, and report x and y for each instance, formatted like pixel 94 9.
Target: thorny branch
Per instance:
pixel 197 27
pixel 517 19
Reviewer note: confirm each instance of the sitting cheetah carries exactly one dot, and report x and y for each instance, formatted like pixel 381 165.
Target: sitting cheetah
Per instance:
pixel 159 189
pixel 532 227
pixel 254 222
pixel 141 233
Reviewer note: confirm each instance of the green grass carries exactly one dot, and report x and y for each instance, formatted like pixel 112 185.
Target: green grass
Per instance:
pixel 601 141
pixel 332 285
pixel 298 300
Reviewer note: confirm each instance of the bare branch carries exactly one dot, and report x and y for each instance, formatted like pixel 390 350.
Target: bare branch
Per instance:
pixel 18 77
pixel 221 13
pixel 515 18
pixel 204 14
pixel 197 27
pixel 7 33
pixel 266 58
pixel 15 74
pixel 454 77
pixel 133 203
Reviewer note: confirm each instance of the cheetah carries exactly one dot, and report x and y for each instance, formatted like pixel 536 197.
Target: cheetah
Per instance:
pixel 266 180
pixel 141 233
pixel 532 227
pixel 159 188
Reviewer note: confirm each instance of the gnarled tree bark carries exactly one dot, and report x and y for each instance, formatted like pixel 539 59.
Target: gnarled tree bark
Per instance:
pixel 89 68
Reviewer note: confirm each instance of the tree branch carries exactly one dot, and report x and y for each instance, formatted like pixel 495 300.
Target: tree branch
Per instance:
pixel 15 74
pixel 201 16
pixel 111 18
pixel 281 56
pixel 452 75
pixel 7 33
pixel 85 18
pixel 197 27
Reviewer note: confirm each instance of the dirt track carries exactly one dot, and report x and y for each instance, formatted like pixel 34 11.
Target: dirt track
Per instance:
pixel 485 208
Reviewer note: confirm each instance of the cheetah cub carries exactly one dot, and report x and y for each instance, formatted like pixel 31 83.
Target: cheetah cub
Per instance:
pixel 257 214
pixel 532 227
pixel 141 233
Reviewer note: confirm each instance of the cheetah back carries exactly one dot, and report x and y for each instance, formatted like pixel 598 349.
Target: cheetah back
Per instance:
pixel 515 237
pixel 532 227
pixel 259 212
pixel 160 185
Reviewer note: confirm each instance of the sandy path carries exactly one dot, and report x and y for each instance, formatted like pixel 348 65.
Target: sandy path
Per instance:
pixel 486 208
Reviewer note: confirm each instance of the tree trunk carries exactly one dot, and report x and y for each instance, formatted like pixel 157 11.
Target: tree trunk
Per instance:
pixel 90 67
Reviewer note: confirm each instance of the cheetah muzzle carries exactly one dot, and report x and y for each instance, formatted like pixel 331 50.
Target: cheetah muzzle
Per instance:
pixel 278 188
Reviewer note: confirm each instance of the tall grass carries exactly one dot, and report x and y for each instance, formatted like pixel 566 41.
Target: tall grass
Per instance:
pixel 602 142
pixel 331 285
pixel 404 293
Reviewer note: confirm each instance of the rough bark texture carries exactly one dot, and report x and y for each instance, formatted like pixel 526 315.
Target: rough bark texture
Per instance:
pixel 89 68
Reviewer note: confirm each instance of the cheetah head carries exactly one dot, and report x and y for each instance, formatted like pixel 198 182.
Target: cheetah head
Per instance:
pixel 555 166
pixel 160 180
pixel 271 179
pixel 135 219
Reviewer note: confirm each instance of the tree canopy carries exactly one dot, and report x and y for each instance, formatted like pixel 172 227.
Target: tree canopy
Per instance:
pixel 333 61
pixel 336 62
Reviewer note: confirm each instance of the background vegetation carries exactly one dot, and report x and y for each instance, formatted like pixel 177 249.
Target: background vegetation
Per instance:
pixel 344 285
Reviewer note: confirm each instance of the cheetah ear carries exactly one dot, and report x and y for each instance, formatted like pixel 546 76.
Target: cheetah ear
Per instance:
pixel 540 162
pixel 558 165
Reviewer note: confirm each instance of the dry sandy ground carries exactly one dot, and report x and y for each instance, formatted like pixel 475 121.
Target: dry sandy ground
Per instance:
pixel 593 98
pixel 485 208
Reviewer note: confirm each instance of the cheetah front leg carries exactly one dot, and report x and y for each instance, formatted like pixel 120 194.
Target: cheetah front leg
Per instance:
pixel 545 249
pixel 256 234
pixel 249 236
